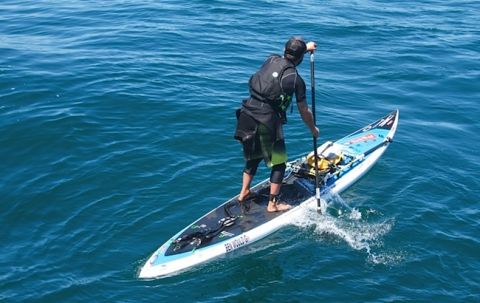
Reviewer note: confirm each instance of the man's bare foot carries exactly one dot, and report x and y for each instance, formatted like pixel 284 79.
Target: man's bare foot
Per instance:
pixel 276 207
pixel 243 196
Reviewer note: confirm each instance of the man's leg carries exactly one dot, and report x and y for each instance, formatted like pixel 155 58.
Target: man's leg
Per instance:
pixel 248 174
pixel 276 179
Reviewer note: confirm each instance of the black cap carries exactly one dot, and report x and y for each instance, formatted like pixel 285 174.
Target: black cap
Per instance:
pixel 295 48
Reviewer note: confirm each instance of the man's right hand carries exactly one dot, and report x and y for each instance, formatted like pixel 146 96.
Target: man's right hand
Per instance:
pixel 311 46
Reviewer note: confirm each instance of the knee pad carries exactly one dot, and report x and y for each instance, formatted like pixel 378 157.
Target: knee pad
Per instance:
pixel 278 171
pixel 251 166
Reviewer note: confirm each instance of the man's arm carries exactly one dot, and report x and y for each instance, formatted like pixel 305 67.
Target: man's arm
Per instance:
pixel 307 117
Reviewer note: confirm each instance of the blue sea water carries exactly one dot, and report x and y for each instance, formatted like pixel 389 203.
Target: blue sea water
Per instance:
pixel 116 131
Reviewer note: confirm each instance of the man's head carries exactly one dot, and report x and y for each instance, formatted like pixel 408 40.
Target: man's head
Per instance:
pixel 295 48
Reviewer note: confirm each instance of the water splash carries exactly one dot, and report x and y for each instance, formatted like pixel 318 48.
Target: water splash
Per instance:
pixel 361 228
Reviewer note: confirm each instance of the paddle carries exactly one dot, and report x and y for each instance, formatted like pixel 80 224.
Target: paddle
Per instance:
pixel 315 152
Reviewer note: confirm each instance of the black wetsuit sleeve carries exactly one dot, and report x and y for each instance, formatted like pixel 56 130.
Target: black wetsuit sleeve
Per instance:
pixel 300 90
pixel 292 83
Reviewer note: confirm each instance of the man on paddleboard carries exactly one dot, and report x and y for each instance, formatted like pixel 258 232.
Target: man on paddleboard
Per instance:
pixel 261 117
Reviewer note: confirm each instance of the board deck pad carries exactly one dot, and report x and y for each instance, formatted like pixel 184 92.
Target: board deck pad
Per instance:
pixel 251 215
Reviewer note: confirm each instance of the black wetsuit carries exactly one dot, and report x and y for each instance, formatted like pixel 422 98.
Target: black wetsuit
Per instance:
pixel 259 125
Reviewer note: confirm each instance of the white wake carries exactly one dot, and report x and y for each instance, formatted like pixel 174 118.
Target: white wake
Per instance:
pixel 354 226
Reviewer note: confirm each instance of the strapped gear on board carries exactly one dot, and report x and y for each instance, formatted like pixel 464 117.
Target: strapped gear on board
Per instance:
pixel 328 158
pixel 329 162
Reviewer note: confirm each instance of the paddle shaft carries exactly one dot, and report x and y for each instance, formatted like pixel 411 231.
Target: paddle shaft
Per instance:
pixel 315 152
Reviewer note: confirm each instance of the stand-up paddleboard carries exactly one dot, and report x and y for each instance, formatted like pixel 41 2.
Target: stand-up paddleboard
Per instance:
pixel 233 225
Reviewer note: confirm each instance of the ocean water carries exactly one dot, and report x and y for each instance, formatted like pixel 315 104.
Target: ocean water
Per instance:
pixel 116 131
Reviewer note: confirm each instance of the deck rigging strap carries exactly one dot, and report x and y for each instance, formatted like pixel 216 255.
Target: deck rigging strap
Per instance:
pixel 198 238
